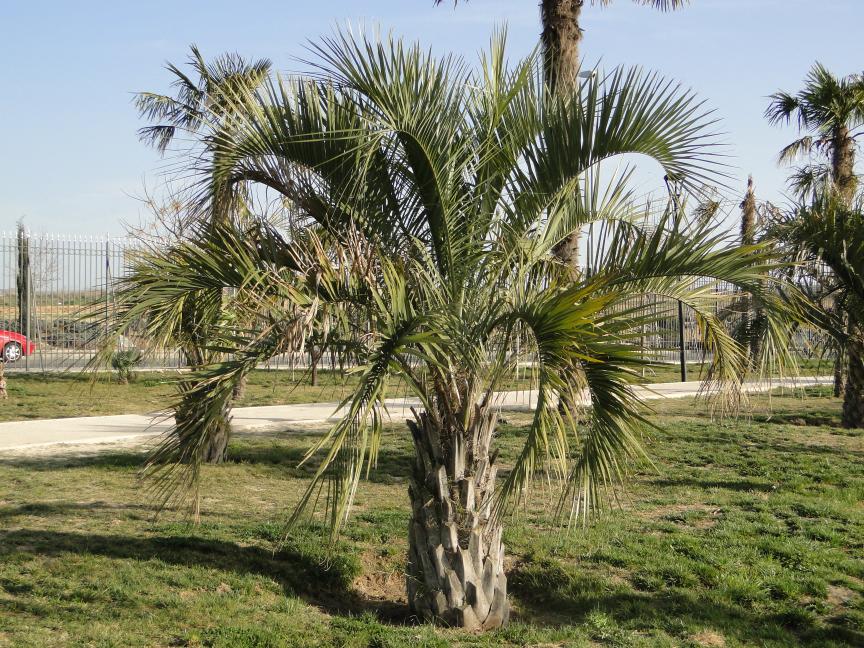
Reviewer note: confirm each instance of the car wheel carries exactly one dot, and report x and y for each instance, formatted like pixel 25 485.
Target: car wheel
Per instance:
pixel 12 352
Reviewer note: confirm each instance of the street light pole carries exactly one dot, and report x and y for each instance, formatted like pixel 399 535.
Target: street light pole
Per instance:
pixel 681 351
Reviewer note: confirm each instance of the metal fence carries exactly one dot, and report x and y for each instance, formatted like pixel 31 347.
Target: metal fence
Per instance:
pixel 49 281
pixel 52 289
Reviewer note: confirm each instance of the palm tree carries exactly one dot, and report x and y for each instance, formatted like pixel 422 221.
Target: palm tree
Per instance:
pixel 828 111
pixel 199 109
pixel 199 104
pixel 561 37
pixel 749 328
pixel 444 191
pixel 830 232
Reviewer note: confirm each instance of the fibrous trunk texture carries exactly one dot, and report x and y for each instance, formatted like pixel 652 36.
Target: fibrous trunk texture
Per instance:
pixel 240 388
pixel 748 237
pixel 839 373
pixel 455 554
pixel 853 398
pixel 748 215
pixel 560 37
pixel 845 180
pixel 843 164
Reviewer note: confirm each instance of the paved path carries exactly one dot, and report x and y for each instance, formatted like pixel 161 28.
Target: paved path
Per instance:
pixel 104 429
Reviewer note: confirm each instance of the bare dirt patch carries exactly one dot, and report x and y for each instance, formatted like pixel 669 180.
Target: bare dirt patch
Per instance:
pixel 380 581
pixel 839 596
pixel 709 639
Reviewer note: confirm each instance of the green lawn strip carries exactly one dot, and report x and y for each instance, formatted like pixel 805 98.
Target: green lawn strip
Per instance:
pixel 748 532
pixel 58 395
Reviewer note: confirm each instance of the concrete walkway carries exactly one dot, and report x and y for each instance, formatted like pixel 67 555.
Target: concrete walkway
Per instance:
pixel 106 429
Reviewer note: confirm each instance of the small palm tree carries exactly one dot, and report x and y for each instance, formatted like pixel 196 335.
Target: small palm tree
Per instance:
pixel 199 110
pixel 443 192
pixel 830 232
pixel 828 111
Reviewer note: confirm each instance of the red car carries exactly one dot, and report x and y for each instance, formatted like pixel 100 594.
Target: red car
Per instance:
pixel 14 345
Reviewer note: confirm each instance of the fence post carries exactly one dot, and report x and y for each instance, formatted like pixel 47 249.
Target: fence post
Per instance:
pixel 681 341
pixel 23 286
pixel 107 281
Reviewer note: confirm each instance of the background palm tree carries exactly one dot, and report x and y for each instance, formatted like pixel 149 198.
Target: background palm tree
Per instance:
pixel 828 110
pixel 198 103
pixel 198 110
pixel 443 192
pixel 561 37
pixel 830 232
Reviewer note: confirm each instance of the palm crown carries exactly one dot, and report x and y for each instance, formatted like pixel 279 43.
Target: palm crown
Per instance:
pixel 429 198
pixel 198 102
pixel 828 110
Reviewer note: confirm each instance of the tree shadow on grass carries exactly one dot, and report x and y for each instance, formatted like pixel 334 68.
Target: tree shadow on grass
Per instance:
pixel 393 466
pixel 75 459
pixel 323 584
pixel 555 597
pixel 44 509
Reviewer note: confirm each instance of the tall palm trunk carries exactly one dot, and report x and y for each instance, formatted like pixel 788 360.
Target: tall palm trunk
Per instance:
pixel 843 164
pixel 853 398
pixel 748 237
pixel 839 369
pixel 845 181
pixel 748 215
pixel 455 553
pixel 561 37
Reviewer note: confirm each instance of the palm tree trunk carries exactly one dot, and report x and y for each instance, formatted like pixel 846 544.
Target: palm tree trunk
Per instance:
pixel 455 554
pixel 839 373
pixel 315 355
pixel 853 398
pixel 239 389
pixel 561 37
pixel 843 164
pixel 216 451
pixel 748 237
pixel 845 181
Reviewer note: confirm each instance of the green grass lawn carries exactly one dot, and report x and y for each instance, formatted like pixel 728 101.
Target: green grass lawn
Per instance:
pixel 56 395
pixel 748 532
pixel 697 371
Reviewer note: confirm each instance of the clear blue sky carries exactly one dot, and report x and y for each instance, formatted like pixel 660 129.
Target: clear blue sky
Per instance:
pixel 70 160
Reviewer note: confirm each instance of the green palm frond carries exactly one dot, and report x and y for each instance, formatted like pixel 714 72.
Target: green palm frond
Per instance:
pixel 428 197
pixel 198 102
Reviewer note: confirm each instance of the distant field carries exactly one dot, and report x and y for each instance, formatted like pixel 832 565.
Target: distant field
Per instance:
pixel 748 532
pixel 42 310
